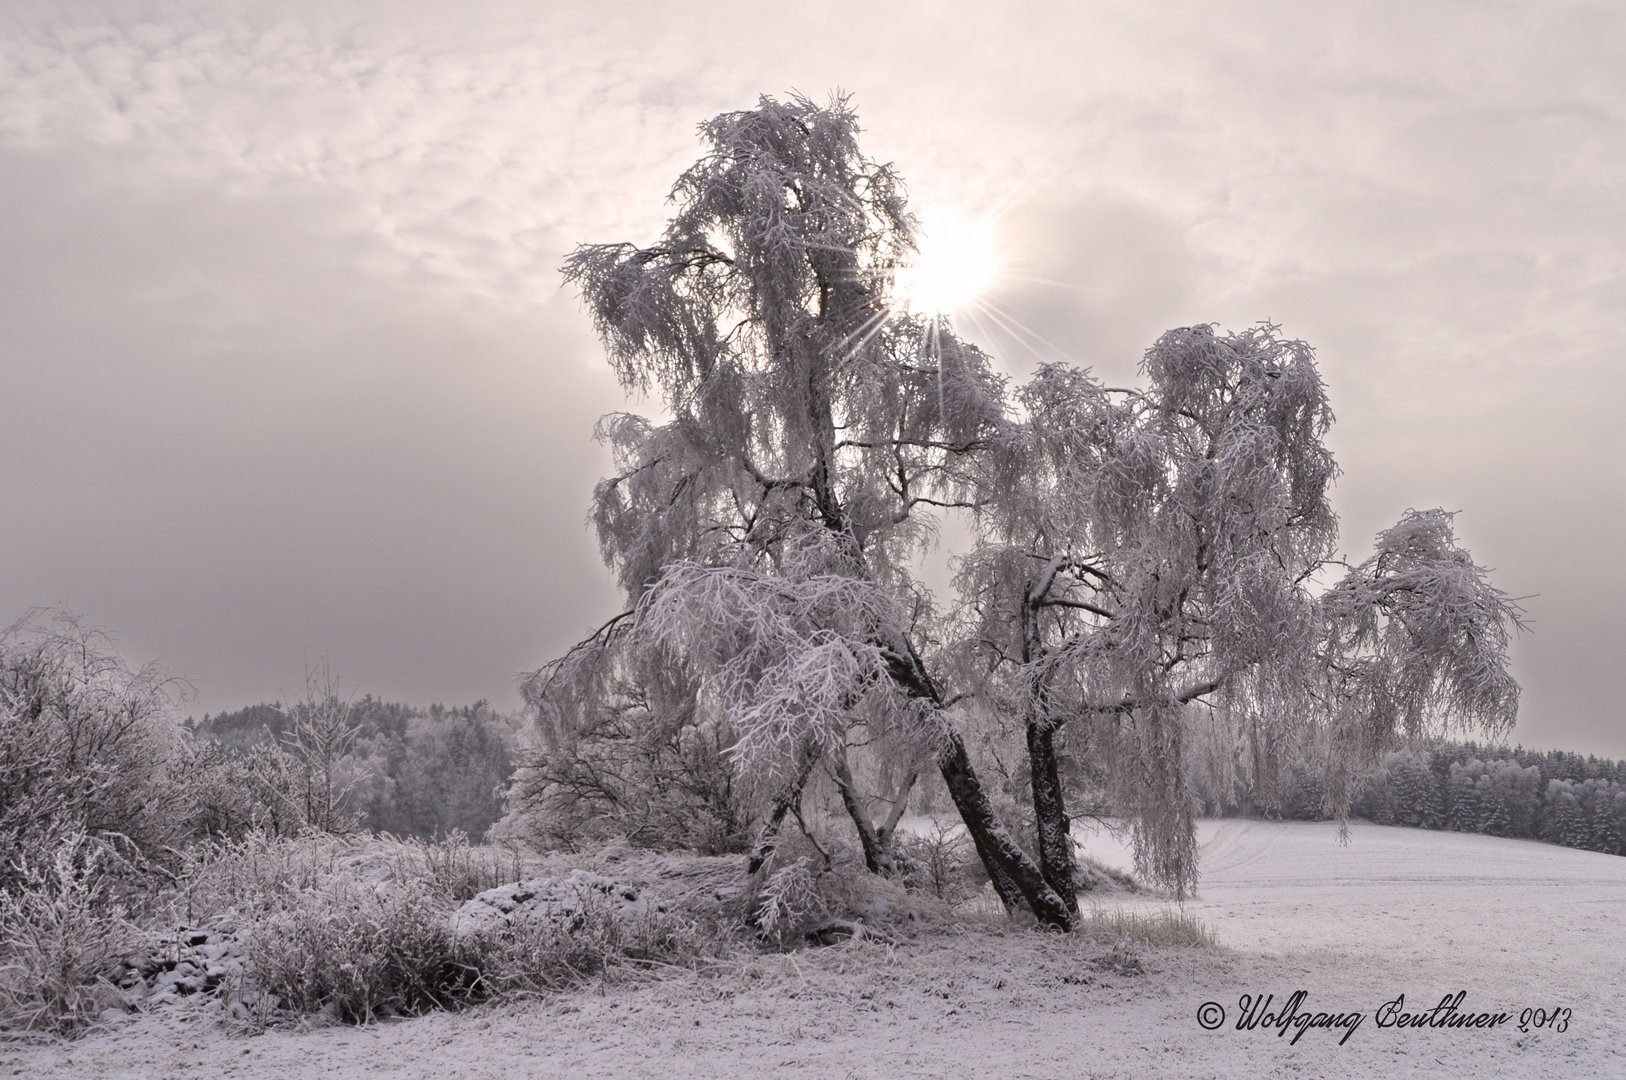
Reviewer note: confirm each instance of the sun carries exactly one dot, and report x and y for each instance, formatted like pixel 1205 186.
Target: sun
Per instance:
pixel 957 262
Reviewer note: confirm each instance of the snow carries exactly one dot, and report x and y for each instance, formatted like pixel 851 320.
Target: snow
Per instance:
pixel 545 899
pixel 1513 924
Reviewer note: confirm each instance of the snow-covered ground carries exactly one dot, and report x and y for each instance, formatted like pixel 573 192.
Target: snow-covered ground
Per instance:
pixel 1511 923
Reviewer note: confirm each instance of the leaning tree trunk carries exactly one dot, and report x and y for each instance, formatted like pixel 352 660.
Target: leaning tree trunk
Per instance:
pixel 1008 865
pixel 876 840
pixel 1018 881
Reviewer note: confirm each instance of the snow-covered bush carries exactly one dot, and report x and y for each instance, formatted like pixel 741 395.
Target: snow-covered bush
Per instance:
pixel 353 929
pixel 453 868
pixel 791 899
pixel 355 953
pixel 620 751
pixel 62 937
pixel 86 743
pixel 942 863
pixel 599 942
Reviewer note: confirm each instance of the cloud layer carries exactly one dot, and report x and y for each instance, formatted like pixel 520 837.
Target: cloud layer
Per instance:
pixel 286 369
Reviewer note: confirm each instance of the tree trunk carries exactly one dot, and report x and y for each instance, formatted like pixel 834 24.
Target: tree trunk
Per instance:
pixel 1056 859
pixel 876 840
pixel 1017 880
pixel 1015 876
pixel 885 831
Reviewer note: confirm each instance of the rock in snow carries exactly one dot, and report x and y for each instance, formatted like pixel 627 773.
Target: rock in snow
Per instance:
pixel 564 902
pixel 209 963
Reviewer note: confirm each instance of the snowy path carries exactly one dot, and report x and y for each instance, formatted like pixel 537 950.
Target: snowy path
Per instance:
pixel 1512 923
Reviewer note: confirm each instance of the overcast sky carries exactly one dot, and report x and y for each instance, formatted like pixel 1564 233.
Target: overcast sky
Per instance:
pixel 286 371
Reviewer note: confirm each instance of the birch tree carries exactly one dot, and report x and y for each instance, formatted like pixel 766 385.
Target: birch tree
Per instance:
pixel 1139 552
pixel 1144 551
pixel 764 533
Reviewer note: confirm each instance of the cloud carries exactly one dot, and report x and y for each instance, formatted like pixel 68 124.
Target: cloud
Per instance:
pixel 231 446
pixel 288 366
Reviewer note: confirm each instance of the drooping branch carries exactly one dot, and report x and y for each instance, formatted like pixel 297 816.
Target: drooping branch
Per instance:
pixel 788 799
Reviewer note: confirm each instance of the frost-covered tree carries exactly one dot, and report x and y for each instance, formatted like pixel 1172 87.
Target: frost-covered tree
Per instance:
pixel 764 532
pixel 1139 552
pixel 1414 642
pixel 1144 551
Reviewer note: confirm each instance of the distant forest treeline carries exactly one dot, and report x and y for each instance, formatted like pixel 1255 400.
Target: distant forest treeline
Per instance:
pixel 1558 797
pixel 426 772
pixel 408 771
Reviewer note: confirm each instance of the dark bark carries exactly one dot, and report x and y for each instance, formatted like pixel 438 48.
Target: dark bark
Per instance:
pixel 1015 876
pixel 876 840
pixel 787 800
pixel 1017 880
pixel 1056 861
pixel 876 859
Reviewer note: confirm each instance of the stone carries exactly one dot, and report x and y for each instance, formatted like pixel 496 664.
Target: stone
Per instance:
pixel 560 901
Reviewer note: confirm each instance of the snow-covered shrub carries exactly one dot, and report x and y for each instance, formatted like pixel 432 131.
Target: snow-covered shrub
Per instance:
pixel 791 899
pixel 355 953
pixel 86 745
pixel 353 929
pixel 815 889
pixel 453 869
pixel 600 938
pixel 227 793
pixel 941 862
pixel 620 751
pixel 62 937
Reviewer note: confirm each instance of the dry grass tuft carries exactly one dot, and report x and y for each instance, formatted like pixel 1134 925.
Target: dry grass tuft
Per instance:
pixel 1165 928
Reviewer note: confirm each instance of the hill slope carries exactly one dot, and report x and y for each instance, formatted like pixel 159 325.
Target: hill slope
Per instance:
pixel 1512 924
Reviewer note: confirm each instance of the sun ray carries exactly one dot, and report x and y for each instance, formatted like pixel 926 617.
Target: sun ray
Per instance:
pixel 1020 332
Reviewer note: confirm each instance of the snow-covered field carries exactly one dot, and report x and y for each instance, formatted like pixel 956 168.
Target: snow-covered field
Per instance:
pixel 1514 924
